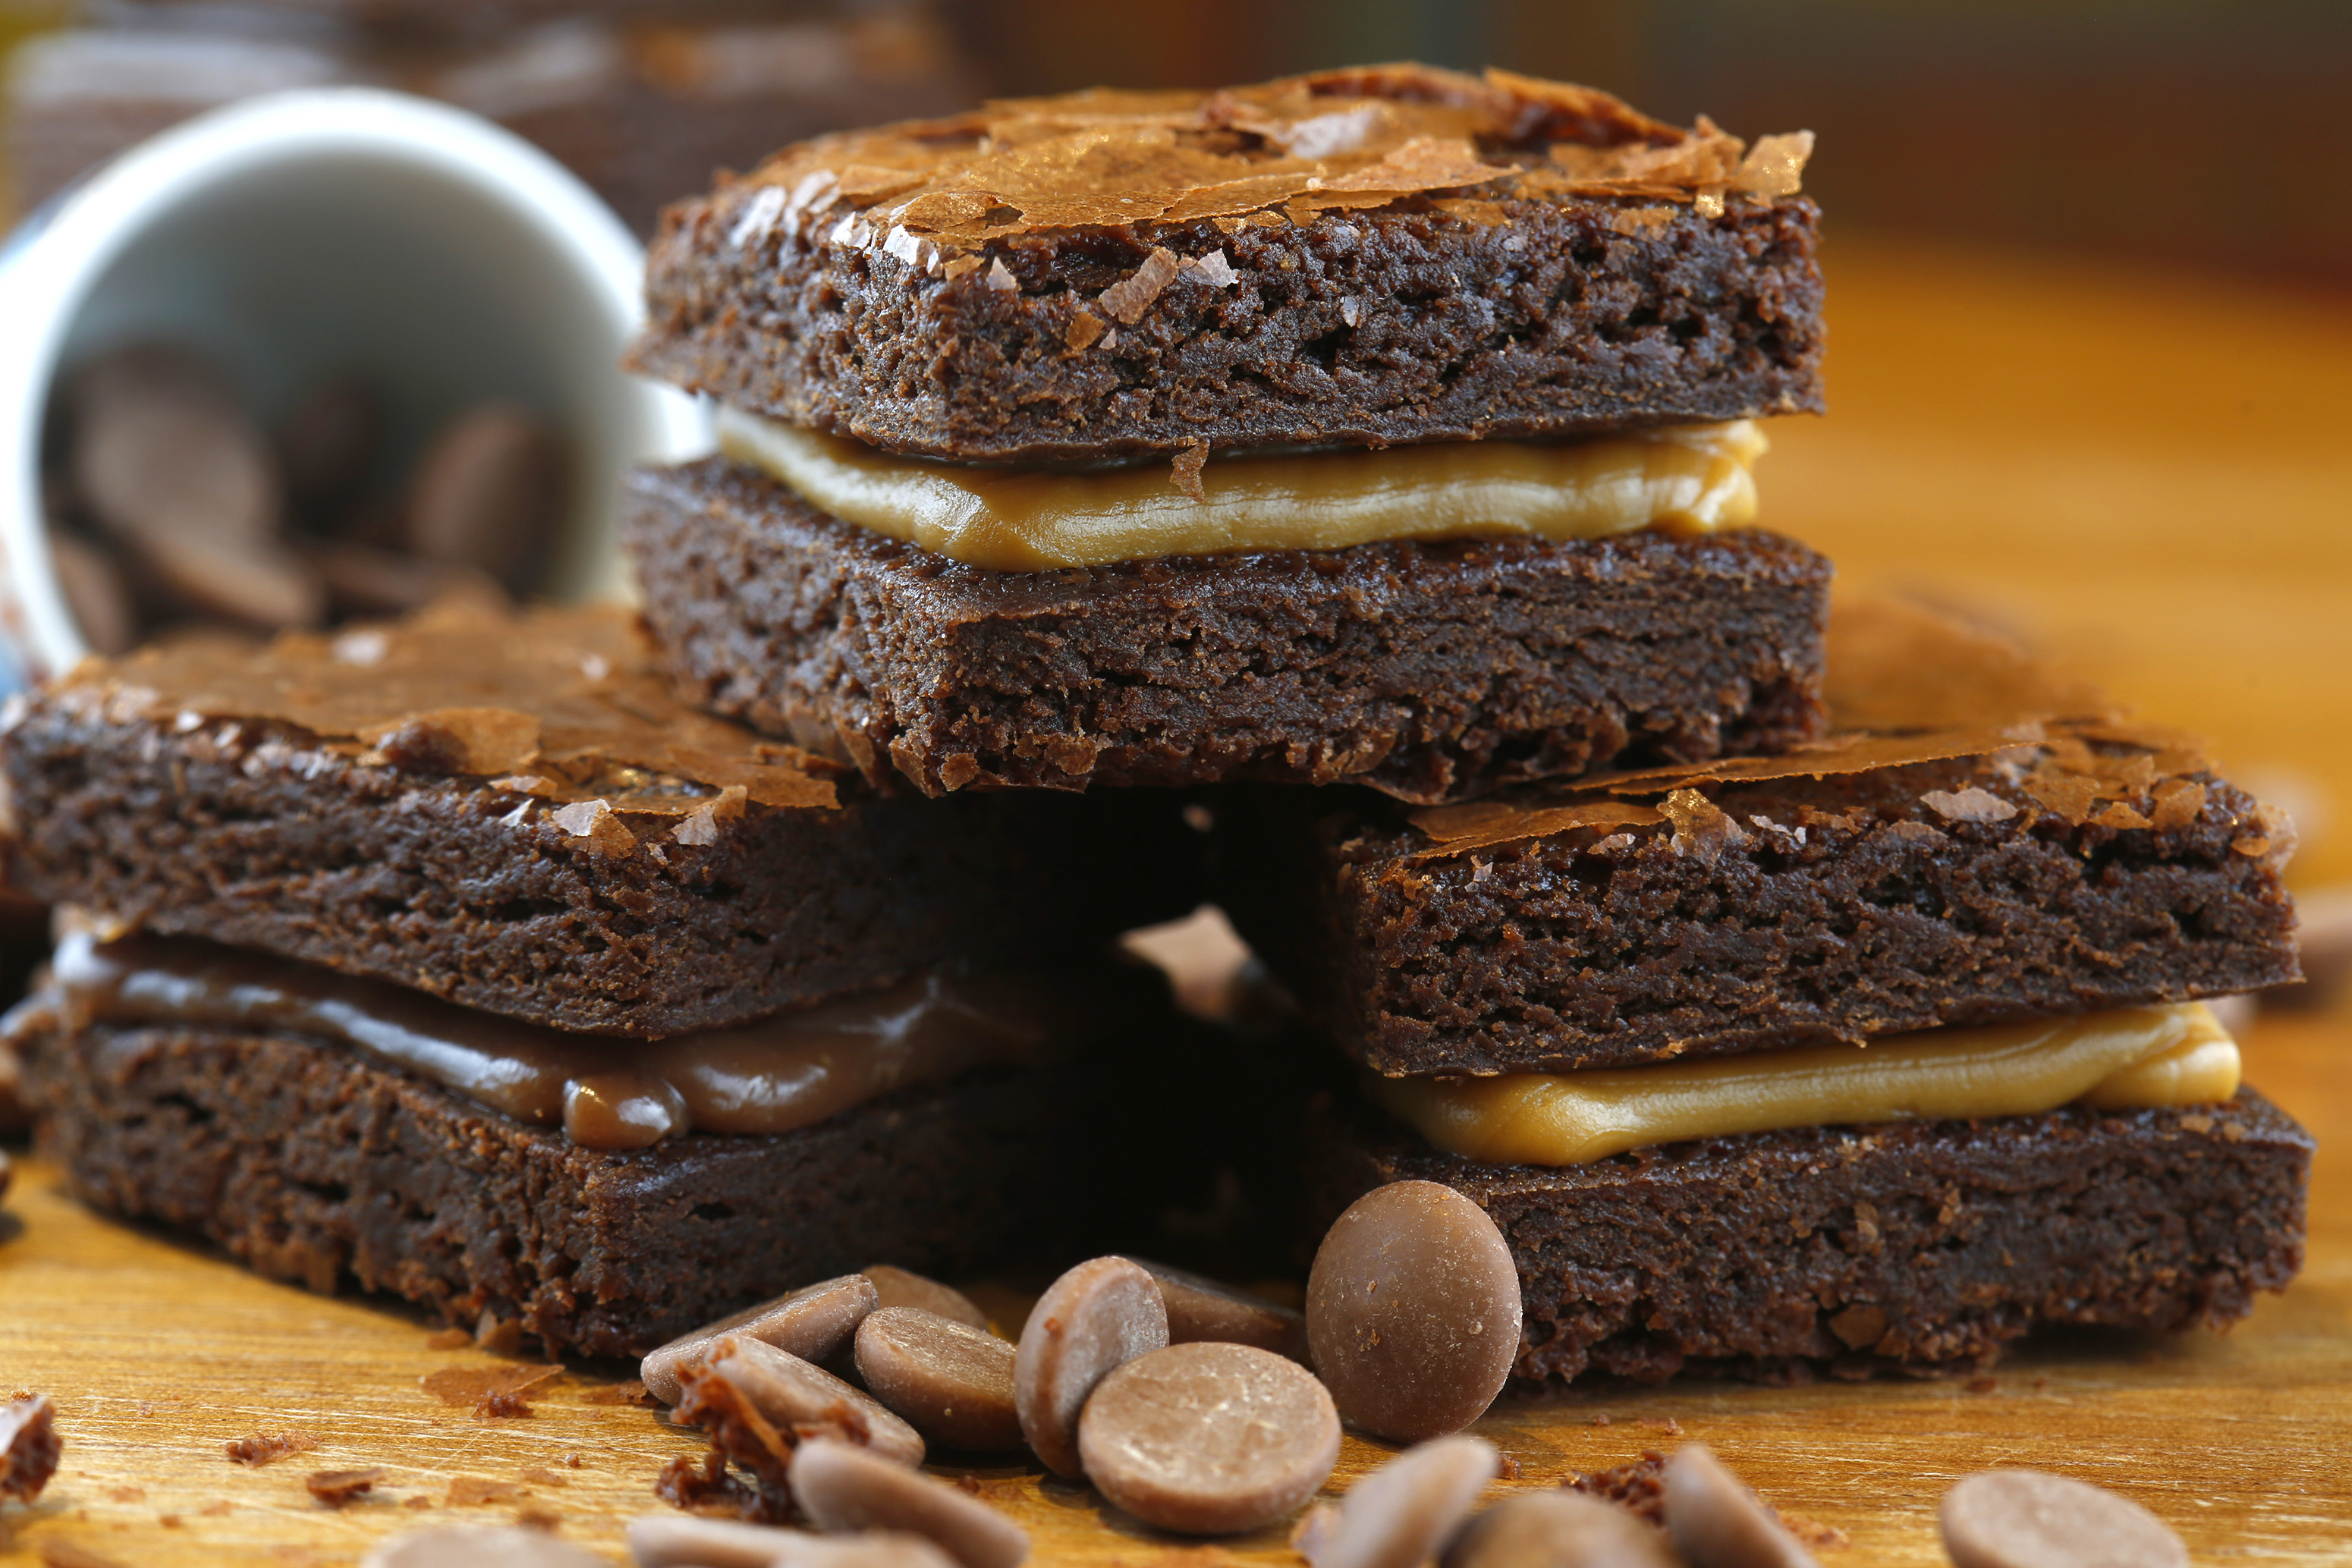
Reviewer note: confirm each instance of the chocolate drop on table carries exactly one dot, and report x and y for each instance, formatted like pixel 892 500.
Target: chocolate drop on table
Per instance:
pixel 1412 1311
pixel 1404 1513
pixel 2032 1519
pixel 789 1392
pixel 1560 1530
pixel 1717 1522
pixel 479 1546
pixel 1089 1323
pixel 814 1322
pixel 952 1381
pixel 687 1540
pixel 1200 1307
pixel 899 1288
pixel 844 1489
pixel 1209 1438
pixel 487 492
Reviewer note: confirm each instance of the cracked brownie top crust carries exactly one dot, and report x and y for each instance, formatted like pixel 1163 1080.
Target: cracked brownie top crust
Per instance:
pixel 1387 254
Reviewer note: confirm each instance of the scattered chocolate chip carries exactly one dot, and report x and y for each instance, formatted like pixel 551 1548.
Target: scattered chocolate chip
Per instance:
pixel 898 1287
pixel 96 595
pixel 1093 1320
pixel 1560 1530
pixel 159 445
pixel 815 1323
pixel 479 1546
pixel 487 492
pixel 263 1447
pixel 1209 1438
pixel 952 1381
pixel 29 1445
pixel 2030 1518
pixel 844 1489
pixel 326 442
pixel 1717 1522
pixel 1402 1514
pixel 1200 1307
pixel 1412 1311
pixel 669 1540
pixel 336 1488
pixel 793 1394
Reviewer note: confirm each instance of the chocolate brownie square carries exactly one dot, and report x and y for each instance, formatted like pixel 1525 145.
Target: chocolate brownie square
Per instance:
pixel 1377 255
pixel 510 811
pixel 1912 1246
pixel 1978 842
pixel 1431 671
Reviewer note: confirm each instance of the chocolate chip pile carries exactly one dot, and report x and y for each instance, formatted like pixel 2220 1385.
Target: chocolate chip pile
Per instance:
pixel 167 502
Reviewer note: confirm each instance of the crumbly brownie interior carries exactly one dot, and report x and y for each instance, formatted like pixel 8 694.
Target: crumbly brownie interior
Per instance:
pixel 1429 671
pixel 308 1163
pixel 1914 1247
pixel 1863 909
pixel 253 834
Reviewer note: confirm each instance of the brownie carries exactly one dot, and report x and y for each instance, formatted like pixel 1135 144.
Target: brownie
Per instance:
pixel 1897 879
pixel 1911 1246
pixel 511 811
pixel 312 1162
pixel 1431 671
pixel 1392 254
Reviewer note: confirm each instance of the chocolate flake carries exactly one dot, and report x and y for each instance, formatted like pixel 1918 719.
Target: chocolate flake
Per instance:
pixel 1128 298
pixel 467 1386
pixel 337 1487
pixel 1970 805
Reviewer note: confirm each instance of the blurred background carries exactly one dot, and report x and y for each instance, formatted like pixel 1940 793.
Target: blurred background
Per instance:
pixel 2090 261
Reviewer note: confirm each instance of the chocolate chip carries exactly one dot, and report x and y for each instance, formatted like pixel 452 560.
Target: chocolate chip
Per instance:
pixel 262 585
pixel 479 1546
pixel 1412 1311
pixel 1200 1307
pixel 1717 1522
pixel 814 1322
pixel 487 492
pixel 159 446
pixel 952 1381
pixel 843 1489
pixel 326 442
pixel 1404 1513
pixel 2030 1518
pixel 29 1445
pixel 96 595
pixel 363 580
pixel 1560 1530
pixel 898 1287
pixel 1209 1438
pixel 790 1393
pixel 673 1541
pixel 1093 1320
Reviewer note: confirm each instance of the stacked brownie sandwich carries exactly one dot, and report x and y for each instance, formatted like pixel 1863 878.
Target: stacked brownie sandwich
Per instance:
pixel 1876 1054
pixel 455 958
pixel 1390 428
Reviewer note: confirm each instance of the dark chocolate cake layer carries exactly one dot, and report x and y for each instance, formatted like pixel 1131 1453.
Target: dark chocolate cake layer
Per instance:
pixel 312 1163
pixel 1392 254
pixel 505 830
pixel 1910 1247
pixel 1429 671
pixel 1962 850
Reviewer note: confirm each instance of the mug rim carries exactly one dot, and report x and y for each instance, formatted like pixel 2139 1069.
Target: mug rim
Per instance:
pixel 50 267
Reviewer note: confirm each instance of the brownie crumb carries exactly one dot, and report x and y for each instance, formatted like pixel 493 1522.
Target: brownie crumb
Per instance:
pixel 476 1386
pixel 473 1492
pixel 448 1339
pixel 632 1391
pixel 499 1336
pixel 1639 1485
pixel 67 1554
pixel 337 1487
pixel 539 1517
pixel 29 1445
pixel 1983 1385
pixel 500 1405
pixel 263 1447
pixel 738 1435
pixel 704 1486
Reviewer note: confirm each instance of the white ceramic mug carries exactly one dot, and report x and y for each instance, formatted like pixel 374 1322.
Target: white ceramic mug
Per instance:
pixel 302 235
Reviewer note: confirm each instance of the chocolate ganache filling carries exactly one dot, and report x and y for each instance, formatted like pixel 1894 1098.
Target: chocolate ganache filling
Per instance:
pixel 777 1075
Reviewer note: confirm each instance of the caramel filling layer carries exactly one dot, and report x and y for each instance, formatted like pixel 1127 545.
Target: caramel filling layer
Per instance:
pixel 2126 1059
pixel 1694 476
pixel 781 1074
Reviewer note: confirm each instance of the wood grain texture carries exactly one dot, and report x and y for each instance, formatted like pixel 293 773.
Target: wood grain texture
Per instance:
pixel 2164 510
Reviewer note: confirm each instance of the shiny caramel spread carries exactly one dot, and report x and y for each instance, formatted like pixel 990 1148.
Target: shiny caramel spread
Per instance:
pixel 932 192
pixel 2125 1059
pixel 778 1075
pixel 1694 477
pixel 562 705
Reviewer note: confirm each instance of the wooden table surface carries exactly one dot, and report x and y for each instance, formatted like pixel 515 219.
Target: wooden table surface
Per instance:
pixel 2148 479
